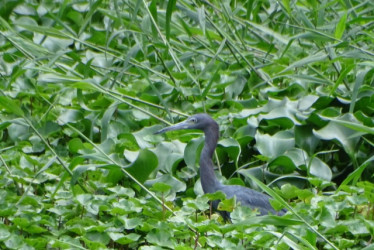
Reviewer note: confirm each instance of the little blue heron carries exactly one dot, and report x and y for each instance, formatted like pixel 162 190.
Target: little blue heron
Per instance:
pixel 209 182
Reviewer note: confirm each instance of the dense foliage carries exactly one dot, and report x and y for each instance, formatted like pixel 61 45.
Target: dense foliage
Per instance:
pixel 84 84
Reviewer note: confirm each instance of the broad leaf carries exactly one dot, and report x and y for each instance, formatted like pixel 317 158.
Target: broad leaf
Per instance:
pixel 143 166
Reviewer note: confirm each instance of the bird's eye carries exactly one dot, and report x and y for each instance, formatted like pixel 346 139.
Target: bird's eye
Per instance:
pixel 193 119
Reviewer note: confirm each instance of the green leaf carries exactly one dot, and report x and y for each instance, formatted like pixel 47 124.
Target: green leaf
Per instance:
pixel 14 242
pixel 356 174
pixel 70 115
pixel 320 169
pixel 289 191
pixel 175 184
pixel 35 229
pixel 153 11
pixel 85 86
pixel 11 106
pixel 359 81
pixel 124 239
pixel 282 164
pixel 356 227
pixel 316 57
pixel 19 131
pixel 305 138
pixel 273 146
pixel 143 166
pixel 347 137
pixel 160 187
pixel 131 223
pixel 368 190
pixel 169 11
pixel 232 147
pixel 192 152
pixel 122 191
pixel 170 154
pixel 96 240
pixel 160 237
pixel 340 27
pixel 227 204
pixel 201 17
pixel 219 195
pixel 78 172
pixel 83 199
pixel 75 145
pixel 4 232
pixel 200 203
pixel 286 4
pixel 49 128
pixel 268 220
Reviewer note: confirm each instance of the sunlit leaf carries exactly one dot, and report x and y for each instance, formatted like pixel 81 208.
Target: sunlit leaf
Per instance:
pixel 75 145
pixel 346 136
pixel 124 239
pixel 70 115
pixel 273 146
pixel 227 205
pixel 175 184
pixel 340 27
pixel 318 168
pixel 4 233
pixel 160 237
pixel 11 106
pixel 170 154
pixel 160 187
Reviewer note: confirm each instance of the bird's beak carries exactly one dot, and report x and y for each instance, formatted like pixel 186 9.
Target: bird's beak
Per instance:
pixel 178 126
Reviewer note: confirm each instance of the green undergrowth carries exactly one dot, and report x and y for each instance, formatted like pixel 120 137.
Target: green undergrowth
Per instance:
pixel 117 217
pixel 85 84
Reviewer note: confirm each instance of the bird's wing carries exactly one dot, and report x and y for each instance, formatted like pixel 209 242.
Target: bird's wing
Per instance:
pixel 249 197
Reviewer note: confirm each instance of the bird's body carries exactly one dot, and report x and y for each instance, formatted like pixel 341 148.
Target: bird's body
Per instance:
pixel 209 182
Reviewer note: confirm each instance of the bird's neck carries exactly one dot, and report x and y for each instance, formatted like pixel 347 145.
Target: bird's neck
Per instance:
pixel 209 181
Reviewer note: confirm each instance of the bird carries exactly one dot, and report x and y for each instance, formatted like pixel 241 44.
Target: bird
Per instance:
pixel 209 182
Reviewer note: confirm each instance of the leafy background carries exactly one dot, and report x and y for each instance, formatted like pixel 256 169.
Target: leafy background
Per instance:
pixel 84 84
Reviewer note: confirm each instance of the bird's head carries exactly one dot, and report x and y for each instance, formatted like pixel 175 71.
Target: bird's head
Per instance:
pixel 199 121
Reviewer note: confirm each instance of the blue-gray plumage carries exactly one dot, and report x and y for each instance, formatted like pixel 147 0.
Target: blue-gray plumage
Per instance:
pixel 209 182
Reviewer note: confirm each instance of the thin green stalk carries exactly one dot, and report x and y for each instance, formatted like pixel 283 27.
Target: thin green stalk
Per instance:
pixel 53 152
pixel 125 172
pixel 273 194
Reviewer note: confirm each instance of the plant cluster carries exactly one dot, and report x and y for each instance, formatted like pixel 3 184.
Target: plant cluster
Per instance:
pixel 85 84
